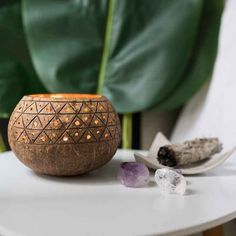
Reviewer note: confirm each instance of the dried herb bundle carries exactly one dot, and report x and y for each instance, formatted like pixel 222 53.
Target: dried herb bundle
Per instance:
pixel 188 152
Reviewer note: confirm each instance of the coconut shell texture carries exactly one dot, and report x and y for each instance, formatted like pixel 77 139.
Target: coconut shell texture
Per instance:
pixel 64 135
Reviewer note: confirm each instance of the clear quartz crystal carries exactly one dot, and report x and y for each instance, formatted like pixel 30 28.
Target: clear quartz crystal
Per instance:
pixel 170 181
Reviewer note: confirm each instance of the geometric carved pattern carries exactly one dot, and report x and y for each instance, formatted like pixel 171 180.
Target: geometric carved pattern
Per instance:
pixel 43 121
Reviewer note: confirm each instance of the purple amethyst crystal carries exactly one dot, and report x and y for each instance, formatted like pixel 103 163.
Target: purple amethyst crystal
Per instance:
pixel 133 174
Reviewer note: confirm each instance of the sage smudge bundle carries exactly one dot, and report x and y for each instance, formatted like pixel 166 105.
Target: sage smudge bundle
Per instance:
pixel 188 152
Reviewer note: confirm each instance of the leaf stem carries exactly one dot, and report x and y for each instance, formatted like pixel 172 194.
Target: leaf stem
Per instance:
pixel 107 41
pixel 2 145
pixel 127 131
pixel 127 118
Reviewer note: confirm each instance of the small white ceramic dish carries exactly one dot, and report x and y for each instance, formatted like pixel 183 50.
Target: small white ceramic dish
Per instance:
pixel 151 161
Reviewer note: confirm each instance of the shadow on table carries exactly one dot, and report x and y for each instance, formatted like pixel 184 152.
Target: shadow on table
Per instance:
pixel 106 175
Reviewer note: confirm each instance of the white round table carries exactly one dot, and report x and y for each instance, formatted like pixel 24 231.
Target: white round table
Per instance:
pixel 97 204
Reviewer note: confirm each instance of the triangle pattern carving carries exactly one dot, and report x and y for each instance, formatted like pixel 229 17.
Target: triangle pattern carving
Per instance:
pixel 41 105
pixel 35 124
pixel 65 138
pixel 31 109
pixel 55 123
pixel 48 109
pixel 45 119
pixel 87 137
pixel 42 139
pixel 67 109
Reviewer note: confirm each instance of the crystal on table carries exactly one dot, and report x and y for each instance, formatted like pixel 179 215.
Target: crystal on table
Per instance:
pixel 170 181
pixel 133 174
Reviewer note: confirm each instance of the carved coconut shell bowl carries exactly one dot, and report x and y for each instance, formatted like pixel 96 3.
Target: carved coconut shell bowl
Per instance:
pixel 64 134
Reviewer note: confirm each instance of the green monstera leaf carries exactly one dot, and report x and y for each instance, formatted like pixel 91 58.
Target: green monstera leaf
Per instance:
pixel 140 54
pixel 17 75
